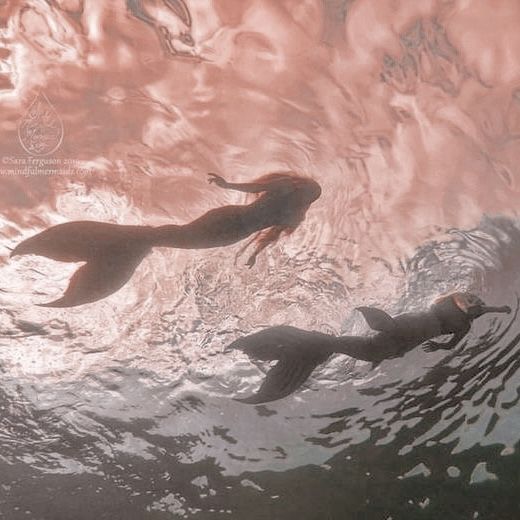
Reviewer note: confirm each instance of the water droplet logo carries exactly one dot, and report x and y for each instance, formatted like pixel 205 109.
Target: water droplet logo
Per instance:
pixel 40 130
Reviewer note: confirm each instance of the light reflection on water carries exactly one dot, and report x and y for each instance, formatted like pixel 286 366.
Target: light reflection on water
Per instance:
pixel 125 405
pixel 100 411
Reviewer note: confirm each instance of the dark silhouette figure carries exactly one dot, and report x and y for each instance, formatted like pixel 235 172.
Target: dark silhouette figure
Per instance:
pixel 299 352
pixel 112 252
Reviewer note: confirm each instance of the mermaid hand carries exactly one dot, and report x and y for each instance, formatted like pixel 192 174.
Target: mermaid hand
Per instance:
pixel 433 346
pixel 213 178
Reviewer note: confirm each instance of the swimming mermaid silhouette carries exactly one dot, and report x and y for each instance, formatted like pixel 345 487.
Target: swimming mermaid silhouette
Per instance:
pixel 299 352
pixel 112 252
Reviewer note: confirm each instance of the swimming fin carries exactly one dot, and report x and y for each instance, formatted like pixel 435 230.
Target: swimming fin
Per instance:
pixel 377 319
pixel 111 252
pixel 283 379
pixel 98 279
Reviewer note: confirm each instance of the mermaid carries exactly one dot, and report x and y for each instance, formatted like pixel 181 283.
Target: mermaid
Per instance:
pixel 298 352
pixel 112 252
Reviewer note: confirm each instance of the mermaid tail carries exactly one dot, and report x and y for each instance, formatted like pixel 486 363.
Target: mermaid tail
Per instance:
pixel 298 353
pixel 111 252
pixel 98 279
pixel 283 379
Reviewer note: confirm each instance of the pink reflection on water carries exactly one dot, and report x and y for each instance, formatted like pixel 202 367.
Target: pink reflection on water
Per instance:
pixel 406 112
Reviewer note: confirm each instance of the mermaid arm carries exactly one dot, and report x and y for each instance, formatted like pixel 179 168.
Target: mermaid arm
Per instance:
pixel 432 346
pixel 246 187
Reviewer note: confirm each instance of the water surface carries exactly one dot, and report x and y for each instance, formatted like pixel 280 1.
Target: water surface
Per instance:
pixel 408 115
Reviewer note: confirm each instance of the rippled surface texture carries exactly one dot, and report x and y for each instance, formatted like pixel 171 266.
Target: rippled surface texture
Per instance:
pixel 408 115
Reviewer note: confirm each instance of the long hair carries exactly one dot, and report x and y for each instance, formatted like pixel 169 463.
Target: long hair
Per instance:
pixel 274 176
pixel 272 234
pixel 269 178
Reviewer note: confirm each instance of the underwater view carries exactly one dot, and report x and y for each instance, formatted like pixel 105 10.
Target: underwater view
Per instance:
pixel 260 259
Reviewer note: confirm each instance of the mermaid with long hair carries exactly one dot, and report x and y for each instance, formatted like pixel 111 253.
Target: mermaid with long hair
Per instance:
pixel 112 252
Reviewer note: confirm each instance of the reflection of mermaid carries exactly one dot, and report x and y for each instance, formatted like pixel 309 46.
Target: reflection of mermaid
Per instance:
pixel 112 252
pixel 167 39
pixel 299 352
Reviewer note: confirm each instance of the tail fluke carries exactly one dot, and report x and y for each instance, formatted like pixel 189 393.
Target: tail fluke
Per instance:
pixel 271 343
pixel 297 351
pixel 98 279
pixel 57 243
pixel 283 379
pixel 111 252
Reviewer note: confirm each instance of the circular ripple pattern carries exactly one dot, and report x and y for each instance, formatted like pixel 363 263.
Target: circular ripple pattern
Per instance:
pixel 407 113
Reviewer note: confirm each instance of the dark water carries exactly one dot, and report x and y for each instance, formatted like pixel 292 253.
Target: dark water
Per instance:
pixel 423 436
pixel 408 117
